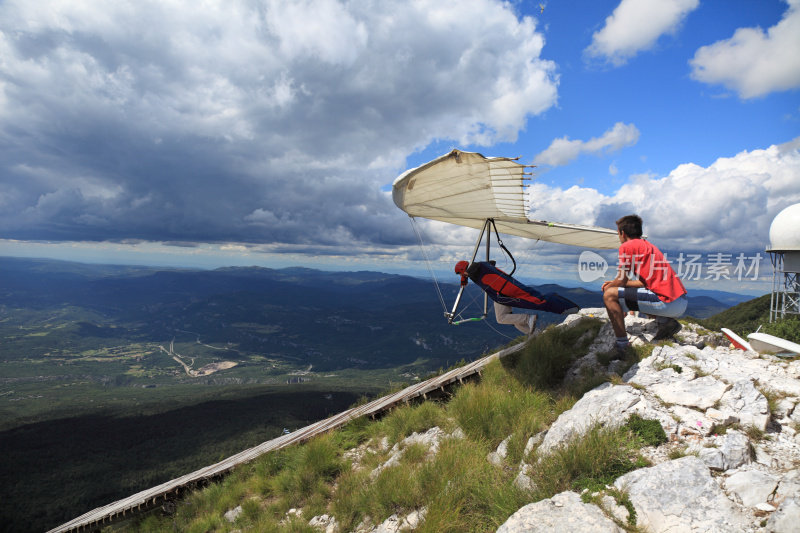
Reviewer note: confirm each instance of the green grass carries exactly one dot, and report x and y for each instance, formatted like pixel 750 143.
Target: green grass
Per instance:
pixel 591 462
pixel 545 360
pixel 405 421
pixel 460 490
pixel 500 406
pixel 650 431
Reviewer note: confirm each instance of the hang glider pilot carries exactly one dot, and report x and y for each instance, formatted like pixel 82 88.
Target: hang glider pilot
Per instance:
pixel 506 292
pixel 658 291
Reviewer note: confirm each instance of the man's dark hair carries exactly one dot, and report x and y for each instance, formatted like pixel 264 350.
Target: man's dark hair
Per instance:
pixel 630 225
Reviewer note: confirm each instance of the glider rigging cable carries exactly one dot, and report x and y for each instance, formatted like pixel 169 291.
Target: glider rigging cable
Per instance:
pixel 428 262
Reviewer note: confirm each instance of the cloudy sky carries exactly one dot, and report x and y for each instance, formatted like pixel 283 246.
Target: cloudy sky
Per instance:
pixel 268 132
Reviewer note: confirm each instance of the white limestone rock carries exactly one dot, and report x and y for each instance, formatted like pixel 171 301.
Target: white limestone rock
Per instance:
pixel 692 420
pixel 562 512
pixel 787 518
pixel 721 419
pixel 394 523
pixel 533 442
pixel 431 439
pixel 523 481
pixel 700 393
pixel 390 525
pixel 591 312
pixel 356 455
pixel 325 523
pixel 680 495
pixel 752 487
pixel 788 487
pixel 616 510
pixel 233 514
pixel 731 450
pixel 607 405
pixel 414 519
pixel 697 336
pixel 643 329
pixel 745 402
pixel 498 457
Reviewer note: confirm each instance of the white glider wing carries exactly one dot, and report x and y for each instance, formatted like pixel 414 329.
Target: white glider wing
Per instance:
pixel 466 188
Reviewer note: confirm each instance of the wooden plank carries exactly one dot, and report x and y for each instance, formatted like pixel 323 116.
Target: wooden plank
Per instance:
pixel 163 491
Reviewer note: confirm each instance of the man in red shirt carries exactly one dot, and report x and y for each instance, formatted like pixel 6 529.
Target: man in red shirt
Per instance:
pixel 658 291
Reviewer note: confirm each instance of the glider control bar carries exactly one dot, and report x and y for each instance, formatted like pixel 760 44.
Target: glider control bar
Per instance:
pixel 452 314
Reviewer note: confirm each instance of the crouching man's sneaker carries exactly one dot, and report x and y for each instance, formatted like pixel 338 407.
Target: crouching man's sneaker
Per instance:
pixel 667 327
pixel 621 350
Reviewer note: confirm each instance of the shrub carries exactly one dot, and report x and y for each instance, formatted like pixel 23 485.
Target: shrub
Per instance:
pixel 650 431
pixel 787 328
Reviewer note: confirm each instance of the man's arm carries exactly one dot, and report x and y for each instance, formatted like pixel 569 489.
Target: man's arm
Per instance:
pixel 619 281
pixel 622 280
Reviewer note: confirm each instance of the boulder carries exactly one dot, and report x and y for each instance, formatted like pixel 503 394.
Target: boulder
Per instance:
pixel 751 487
pixel 611 507
pixel 562 512
pixel 680 495
pixel 607 405
pixel 324 523
pixel 787 518
pixel 731 450
pixel 745 402
pixel 430 439
pixel 700 393
pixel 693 421
pixel 498 456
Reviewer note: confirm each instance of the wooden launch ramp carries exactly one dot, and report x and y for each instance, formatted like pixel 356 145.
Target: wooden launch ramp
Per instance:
pixel 158 495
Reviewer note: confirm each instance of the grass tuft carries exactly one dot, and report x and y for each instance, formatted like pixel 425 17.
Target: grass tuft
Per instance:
pixel 500 406
pixel 591 462
pixel 406 420
pixel 650 431
pixel 545 360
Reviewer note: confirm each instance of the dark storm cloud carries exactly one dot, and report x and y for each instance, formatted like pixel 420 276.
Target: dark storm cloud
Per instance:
pixel 261 122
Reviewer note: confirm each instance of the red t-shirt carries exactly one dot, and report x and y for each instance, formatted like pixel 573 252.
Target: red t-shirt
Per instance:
pixel 647 262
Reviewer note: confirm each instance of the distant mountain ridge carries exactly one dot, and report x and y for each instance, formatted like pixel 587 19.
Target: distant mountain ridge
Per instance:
pixel 45 281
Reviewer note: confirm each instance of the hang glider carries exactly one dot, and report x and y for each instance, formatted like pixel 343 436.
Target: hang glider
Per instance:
pixel 467 189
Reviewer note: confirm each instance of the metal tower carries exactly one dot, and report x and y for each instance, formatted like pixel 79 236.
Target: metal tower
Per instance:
pixel 784 252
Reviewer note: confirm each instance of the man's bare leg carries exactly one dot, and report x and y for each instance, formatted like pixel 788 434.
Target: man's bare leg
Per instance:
pixel 615 313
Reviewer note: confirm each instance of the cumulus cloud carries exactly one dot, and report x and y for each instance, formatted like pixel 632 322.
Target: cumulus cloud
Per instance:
pixel 754 62
pixel 636 25
pixel 563 150
pixel 267 122
pixel 728 205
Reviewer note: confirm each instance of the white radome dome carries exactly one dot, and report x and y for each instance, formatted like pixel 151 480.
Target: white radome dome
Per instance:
pixel 784 233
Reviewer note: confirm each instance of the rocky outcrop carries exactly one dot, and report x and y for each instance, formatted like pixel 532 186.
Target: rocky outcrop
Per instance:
pixel 680 495
pixel 732 414
pixel 731 463
pixel 562 512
